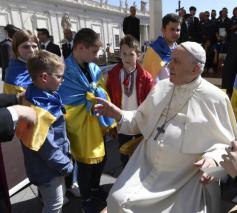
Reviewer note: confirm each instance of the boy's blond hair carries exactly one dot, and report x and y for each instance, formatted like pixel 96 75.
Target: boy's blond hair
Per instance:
pixel 44 61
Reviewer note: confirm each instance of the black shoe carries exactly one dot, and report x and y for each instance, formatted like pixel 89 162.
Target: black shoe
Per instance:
pixel 99 193
pixel 89 206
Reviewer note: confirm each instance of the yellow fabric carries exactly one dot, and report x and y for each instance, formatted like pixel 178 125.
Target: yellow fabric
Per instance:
pixel 152 62
pixel 234 102
pixel 129 147
pixel 35 136
pixel 85 135
pixel 12 89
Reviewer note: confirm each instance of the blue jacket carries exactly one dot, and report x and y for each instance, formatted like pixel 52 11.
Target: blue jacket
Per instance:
pixel 52 159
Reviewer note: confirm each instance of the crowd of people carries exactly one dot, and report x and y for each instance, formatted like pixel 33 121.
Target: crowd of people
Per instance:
pixel 173 127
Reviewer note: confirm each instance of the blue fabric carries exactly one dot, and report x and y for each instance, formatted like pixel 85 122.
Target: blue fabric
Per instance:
pixel 75 87
pixel 161 47
pixel 49 101
pixel 52 159
pixel 235 83
pixel 17 74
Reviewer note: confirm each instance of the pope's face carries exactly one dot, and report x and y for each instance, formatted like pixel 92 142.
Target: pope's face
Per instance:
pixel 182 67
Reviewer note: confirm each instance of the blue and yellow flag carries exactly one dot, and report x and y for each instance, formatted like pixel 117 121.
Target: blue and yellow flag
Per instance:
pixel 48 107
pixel 234 97
pixel 84 129
pixel 17 77
pixel 156 56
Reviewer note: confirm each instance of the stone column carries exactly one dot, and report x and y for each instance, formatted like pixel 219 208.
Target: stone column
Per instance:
pixel 155 7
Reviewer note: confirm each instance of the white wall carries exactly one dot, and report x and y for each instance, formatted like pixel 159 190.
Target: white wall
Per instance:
pixel 48 13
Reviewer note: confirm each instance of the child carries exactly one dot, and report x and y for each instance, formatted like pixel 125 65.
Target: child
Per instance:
pixel 159 52
pixel 46 147
pixel 128 83
pixel 81 84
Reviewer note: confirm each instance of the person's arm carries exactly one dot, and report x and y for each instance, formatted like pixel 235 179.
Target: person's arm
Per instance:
pixel 126 119
pixel 51 153
pixel 6 125
pixel 10 116
pixel 125 26
pixel 8 100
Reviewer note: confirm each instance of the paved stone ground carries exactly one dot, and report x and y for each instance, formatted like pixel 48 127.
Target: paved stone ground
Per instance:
pixel 26 201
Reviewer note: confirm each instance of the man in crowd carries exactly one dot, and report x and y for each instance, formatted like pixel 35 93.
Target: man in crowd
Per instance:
pixel 131 24
pixel 46 43
pixel 67 46
pixel 9 116
pixel 6 48
pixel 186 123
pixel 194 34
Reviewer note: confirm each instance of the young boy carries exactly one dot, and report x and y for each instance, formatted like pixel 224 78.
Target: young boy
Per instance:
pixel 128 83
pixel 46 147
pixel 82 82
pixel 159 52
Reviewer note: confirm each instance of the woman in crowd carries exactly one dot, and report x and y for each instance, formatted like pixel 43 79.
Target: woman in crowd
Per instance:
pixel 17 78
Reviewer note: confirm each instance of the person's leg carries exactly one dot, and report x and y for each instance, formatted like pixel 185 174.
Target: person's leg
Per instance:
pixel 97 192
pixel 71 181
pixel 84 181
pixel 52 194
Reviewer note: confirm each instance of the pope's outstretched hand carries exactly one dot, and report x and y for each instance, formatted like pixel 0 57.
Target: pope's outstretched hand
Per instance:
pixel 108 109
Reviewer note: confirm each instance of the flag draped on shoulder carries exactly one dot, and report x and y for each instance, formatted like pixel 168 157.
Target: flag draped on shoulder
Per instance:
pixel 84 129
pixel 48 107
pixel 17 77
pixel 157 55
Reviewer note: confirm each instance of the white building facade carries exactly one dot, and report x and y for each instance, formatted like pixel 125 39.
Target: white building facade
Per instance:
pixel 98 15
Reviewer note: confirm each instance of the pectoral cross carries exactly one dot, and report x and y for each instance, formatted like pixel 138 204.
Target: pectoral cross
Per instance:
pixel 160 130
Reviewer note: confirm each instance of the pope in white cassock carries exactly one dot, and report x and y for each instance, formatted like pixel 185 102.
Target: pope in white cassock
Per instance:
pixel 186 123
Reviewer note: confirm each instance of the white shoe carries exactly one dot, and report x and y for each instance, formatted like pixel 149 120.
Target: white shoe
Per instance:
pixel 74 190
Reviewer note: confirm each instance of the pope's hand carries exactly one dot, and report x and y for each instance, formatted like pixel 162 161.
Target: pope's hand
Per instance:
pixel 107 109
pixel 205 163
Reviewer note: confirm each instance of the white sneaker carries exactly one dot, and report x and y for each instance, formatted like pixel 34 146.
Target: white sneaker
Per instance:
pixel 74 190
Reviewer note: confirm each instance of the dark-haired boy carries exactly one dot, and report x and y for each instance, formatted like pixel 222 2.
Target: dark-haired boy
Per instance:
pixel 128 84
pixel 159 52
pixel 82 82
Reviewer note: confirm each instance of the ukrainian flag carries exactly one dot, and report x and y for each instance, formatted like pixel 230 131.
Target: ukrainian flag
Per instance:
pixel 48 107
pixel 17 77
pixel 85 131
pixel 156 56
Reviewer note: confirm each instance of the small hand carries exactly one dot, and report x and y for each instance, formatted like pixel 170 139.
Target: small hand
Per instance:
pixel 205 163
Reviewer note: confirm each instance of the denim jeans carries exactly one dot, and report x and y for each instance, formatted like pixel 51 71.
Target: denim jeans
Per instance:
pixel 52 195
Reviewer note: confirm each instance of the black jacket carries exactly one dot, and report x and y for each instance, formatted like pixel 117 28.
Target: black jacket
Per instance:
pixel 66 50
pixel 131 25
pixel 6 123
pixel 6 134
pixel 53 48
pixel 230 65
pixel 5 54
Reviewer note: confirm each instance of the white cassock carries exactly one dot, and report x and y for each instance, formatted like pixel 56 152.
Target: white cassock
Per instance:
pixel 160 176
